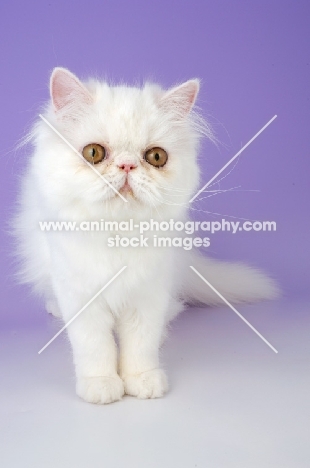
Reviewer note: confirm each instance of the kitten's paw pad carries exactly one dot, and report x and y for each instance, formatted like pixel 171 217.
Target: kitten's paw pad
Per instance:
pixel 100 390
pixel 150 384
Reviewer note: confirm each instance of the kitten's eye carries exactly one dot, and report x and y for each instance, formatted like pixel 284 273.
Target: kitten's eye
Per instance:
pixel 94 153
pixel 156 156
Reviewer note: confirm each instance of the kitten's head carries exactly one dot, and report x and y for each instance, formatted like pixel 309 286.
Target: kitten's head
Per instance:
pixel 137 147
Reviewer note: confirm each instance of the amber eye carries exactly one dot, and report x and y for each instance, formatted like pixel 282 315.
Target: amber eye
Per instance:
pixel 94 153
pixel 156 156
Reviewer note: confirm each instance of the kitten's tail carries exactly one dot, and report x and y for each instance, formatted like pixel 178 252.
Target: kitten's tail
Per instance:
pixel 236 282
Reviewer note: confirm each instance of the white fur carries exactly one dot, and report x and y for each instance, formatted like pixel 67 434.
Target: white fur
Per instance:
pixel 68 268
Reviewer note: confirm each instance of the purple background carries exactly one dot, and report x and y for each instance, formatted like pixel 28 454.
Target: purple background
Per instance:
pixel 253 60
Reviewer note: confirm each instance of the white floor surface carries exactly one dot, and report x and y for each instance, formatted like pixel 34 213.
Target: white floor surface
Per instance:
pixel 232 402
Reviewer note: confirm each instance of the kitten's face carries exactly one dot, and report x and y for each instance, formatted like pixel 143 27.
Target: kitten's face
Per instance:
pixel 141 141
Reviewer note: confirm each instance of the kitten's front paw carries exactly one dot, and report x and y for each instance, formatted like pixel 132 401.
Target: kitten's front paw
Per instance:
pixel 150 384
pixel 100 389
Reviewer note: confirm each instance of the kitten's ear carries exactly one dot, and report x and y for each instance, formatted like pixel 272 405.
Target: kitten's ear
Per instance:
pixel 181 98
pixel 66 88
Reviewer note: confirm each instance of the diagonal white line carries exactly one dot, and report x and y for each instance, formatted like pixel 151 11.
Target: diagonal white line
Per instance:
pixel 81 156
pixel 232 308
pixel 81 310
pixel 233 158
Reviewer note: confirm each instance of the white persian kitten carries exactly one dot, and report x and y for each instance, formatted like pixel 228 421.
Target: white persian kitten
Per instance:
pixel 144 142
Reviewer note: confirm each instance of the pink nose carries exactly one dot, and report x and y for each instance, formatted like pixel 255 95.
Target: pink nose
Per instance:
pixel 127 167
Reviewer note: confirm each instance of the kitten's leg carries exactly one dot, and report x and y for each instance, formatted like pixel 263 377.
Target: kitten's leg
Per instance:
pixel 52 307
pixel 140 333
pixel 94 348
pixel 95 359
pixel 51 303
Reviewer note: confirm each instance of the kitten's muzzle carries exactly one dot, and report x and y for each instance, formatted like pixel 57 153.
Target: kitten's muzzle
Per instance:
pixel 127 167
